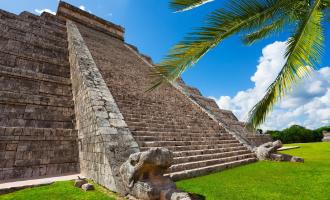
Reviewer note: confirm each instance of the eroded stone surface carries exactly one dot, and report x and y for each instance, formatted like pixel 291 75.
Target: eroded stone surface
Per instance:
pixel 37 136
pixel 87 187
pixel 79 182
pixel 326 137
pixel 268 151
pixel 105 142
pixel 143 176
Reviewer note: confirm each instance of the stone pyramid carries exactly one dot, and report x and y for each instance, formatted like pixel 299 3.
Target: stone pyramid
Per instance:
pixel 73 100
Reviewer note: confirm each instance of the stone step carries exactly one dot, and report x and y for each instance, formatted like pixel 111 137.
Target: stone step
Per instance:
pixel 197 147
pixel 8 48
pixel 164 123
pixel 184 143
pixel 44 67
pixel 145 120
pixel 35 34
pixel 38 116
pixel 37 148
pixel 31 75
pixel 186 133
pixel 212 156
pixel 34 123
pixel 24 99
pixel 7 33
pixel 34 52
pixel 190 173
pixel 45 18
pixel 22 21
pixel 156 128
pixel 36 20
pixel 37 112
pixel 53 19
pixel 205 163
pixel 30 134
pixel 181 138
pixel 159 115
pixel 25 85
pixel 207 151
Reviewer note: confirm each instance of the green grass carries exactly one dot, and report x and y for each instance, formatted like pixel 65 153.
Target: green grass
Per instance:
pixel 271 180
pixel 59 190
pixel 261 180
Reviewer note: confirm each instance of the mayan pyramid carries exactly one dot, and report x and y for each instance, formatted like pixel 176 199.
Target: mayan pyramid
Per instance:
pixel 73 100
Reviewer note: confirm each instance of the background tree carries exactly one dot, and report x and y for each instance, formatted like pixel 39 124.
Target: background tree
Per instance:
pixel 255 20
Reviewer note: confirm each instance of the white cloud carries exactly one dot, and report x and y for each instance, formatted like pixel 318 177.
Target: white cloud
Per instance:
pixel 44 10
pixel 82 7
pixel 307 105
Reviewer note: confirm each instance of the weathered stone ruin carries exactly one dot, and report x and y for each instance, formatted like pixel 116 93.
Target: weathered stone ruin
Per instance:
pixel 143 176
pixel 73 100
pixel 326 136
pixel 268 151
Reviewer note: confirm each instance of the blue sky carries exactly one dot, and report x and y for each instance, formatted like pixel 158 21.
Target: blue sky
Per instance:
pixel 154 28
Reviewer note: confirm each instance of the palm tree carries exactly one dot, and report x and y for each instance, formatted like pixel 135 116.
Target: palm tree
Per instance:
pixel 255 20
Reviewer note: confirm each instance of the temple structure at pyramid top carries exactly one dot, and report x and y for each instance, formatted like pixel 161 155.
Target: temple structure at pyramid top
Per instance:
pixel 73 100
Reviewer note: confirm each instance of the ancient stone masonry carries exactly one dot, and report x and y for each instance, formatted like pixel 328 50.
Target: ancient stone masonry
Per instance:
pixel 164 117
pixel 36 108
pixel 268 151
pixel 326 136
pixel 73 100
pixel 225 117
pixel 105 141
pixel 143 176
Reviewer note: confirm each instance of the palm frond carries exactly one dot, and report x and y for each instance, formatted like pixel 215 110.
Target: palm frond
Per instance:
pixel 184 5
pixel 303 53
pixel 292 14
pixel 265 31
pixel 236 17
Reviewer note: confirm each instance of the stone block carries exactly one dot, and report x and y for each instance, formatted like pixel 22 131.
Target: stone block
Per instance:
pixel 79 182
pixel 11 147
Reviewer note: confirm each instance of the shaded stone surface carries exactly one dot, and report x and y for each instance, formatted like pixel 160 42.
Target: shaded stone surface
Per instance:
pixel 104 138
pixel 37 136
pixel 225 117
pixel 143 176
pixel 87 187
pixel 79 182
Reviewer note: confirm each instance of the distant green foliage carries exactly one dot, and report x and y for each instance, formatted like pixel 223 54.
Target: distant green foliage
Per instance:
pixel 298 134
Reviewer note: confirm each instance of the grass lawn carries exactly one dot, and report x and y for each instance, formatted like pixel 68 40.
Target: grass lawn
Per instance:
pixel 261 180
pixel 271 180
pixel 58 191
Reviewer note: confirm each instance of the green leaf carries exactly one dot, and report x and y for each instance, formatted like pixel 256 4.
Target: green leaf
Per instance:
pixel 303 54
pixel 184 5
pixel 238 16
pixel 265 31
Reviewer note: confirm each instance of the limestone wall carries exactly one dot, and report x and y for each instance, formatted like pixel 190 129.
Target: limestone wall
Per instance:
pixel 36 109
pixel 29 152
pixel 105 141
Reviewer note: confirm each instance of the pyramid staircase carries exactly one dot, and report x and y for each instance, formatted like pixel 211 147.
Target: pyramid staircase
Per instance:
pixel 37 117
pixel 164 117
